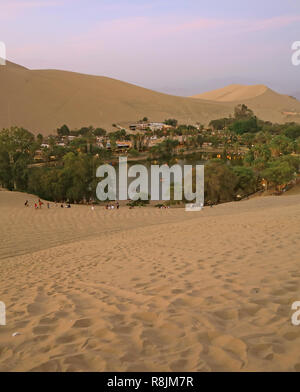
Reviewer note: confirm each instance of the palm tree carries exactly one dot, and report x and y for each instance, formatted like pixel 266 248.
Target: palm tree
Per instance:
pixel 90 139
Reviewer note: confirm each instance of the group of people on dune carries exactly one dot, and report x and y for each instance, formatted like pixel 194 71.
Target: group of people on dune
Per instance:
pixel 39 204
pixel 110 206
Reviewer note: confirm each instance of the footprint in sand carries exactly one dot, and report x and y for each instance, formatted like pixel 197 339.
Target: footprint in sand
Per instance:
pixel 82 323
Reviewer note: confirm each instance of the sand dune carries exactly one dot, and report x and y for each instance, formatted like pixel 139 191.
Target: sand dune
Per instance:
pixel 233 92
pixel 149 289
pixel 43 100
pixel 266 103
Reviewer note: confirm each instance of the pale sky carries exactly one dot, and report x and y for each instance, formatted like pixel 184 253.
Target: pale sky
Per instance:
pixel 176 46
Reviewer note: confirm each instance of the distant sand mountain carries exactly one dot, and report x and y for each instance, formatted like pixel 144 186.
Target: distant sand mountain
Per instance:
pixel 266 103
pixel 234 92
pixel 43 100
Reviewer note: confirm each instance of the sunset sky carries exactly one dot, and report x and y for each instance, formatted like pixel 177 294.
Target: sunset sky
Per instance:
pixel 176 46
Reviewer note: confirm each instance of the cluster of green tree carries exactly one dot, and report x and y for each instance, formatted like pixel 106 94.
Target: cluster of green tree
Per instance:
pixel 74 181
pixel 224 182
pixel 67 181
pixel 119 135
pixel 243 121
pixel 281 170
pixel 65 131
pixel 271 161
pixel 164 150
pixel 273 155
pixel 249 125
pixel 171 121
pixel 17 148
pixel 183 128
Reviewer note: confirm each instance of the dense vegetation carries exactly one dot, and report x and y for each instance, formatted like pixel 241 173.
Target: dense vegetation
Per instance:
pixel 252 155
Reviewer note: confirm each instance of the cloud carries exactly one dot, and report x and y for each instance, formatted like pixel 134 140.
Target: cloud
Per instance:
pixel 12 8
pixel 271 23
pixel 158 29
pixel 164 26
pixel 238 25
pixel 136 48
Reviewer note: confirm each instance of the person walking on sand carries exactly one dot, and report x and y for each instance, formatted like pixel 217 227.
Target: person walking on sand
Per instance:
pixel 35 206
pixel 26 203
pixel 40 203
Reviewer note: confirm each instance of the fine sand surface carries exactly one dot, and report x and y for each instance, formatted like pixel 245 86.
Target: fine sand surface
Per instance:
pixel 234 92
pixel 43 100
pixel 148 289
pixel 266 103
pixel 60 97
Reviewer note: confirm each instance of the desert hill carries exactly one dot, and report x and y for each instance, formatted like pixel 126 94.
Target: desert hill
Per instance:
pixel 43 100
pixel 266 103
pixel 233 92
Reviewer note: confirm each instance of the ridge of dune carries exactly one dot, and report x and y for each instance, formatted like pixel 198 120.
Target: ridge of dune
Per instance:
pixel 233 92
pixel 43 100
pixel 13 66
pixel 266 103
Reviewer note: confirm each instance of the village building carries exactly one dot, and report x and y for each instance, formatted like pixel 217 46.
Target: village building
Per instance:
pixel 139 127
pixel 153 126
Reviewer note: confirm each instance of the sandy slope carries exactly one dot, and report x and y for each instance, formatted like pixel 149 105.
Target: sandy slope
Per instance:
pixel 43 100
pixel 266 103
pixel 149 289
pixel 233 92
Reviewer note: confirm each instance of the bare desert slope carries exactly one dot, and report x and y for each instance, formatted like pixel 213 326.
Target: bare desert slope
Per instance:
pixel 149 289
pixel 43 100
pixel 266 103
pixel 233 92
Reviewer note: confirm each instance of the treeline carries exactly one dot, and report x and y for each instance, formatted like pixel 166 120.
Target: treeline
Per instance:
pixel 17 148
pixel 244 121
pixel 74 181
pixel 226 181
pixel 270 157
